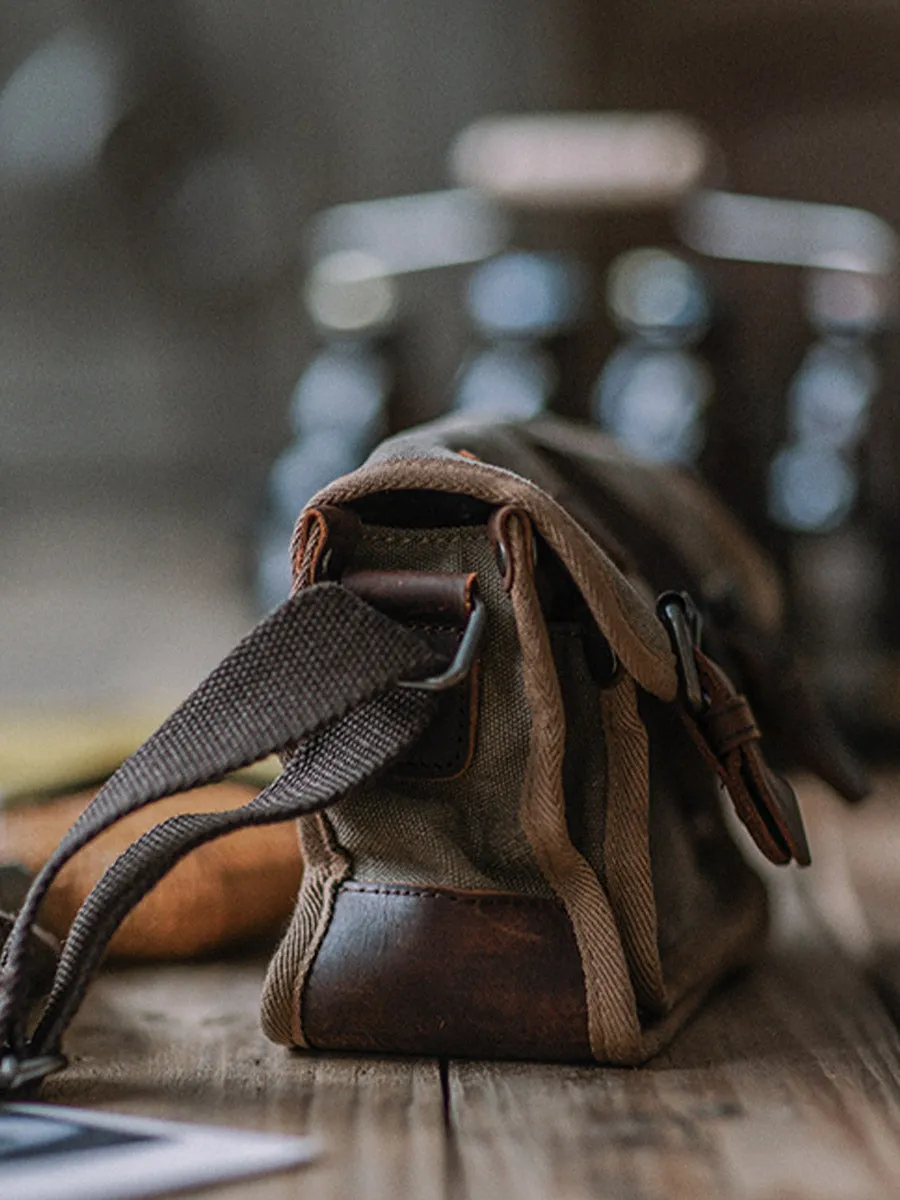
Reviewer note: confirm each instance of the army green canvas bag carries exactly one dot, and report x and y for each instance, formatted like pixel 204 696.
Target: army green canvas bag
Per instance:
pixel 518 684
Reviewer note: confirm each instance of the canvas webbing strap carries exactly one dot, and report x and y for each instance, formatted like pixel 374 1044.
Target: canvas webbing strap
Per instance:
pixel 318 676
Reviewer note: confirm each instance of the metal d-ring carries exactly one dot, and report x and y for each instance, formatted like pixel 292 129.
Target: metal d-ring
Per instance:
pixel 679 614
pixel 463 660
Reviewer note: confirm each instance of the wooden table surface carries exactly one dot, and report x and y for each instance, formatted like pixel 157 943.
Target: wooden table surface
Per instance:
pixel 786 1086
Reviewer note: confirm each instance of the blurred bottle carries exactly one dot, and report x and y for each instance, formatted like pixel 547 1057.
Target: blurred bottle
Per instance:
pixel 817 489
pixel 814 481
pixel 655 389
pixel 340 408
pixel 526 308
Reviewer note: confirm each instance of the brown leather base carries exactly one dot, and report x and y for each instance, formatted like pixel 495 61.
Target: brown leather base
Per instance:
pixel 421 970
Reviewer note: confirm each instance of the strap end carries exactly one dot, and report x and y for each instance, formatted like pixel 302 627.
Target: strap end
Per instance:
pixel 18 1073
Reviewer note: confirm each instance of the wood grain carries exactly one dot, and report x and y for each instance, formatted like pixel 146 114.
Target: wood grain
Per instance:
pixel 184 1043
pixel 785 1087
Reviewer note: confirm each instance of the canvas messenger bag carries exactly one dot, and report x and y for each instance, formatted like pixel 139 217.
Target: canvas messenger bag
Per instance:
pixel 519 681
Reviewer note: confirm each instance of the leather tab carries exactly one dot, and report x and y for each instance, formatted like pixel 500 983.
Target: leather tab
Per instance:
pixel 727 735
pixel 330 532
pixel 434 597
pixel 730 726
pixel 498 532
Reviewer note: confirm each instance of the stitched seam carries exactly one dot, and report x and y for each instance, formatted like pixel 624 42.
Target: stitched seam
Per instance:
pixel 443 764
pixel 425 894
pixel 390 533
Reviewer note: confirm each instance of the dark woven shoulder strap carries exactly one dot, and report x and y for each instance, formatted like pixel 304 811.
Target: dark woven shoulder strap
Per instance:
pixel 318 675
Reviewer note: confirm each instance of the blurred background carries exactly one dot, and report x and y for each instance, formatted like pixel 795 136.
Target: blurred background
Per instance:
pixel 190 330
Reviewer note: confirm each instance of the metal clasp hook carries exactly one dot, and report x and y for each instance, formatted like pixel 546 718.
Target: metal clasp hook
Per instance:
pixel 683 622
pixel 464 658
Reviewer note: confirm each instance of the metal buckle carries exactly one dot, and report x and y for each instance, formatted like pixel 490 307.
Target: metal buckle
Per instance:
pixel 682 620
pixel 463 660
pixel 18 1072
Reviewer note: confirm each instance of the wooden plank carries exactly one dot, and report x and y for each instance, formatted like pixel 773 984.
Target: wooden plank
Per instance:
pixel 787 1086
pixel 183 1042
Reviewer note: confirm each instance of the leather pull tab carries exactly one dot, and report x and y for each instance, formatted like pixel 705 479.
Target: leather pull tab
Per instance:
pixel 725 731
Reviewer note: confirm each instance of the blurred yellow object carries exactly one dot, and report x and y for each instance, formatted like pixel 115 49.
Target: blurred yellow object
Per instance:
pixel 43 754
pixel 242 886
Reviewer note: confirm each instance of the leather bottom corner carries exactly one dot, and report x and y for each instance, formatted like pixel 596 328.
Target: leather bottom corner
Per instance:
pixel 437 971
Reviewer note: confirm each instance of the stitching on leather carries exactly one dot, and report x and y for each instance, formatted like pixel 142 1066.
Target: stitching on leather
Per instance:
pixel 391 533
pixel 426 894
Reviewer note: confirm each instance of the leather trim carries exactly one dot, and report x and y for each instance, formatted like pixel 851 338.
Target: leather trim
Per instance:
pixel 624 614
pixel 447 745
pixel 328 533
pixel 437 971
pixel 412 596
pixel 727 736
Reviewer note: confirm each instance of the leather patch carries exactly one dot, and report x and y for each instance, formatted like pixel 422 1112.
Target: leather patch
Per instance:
pixel 436 971
pixel 446 748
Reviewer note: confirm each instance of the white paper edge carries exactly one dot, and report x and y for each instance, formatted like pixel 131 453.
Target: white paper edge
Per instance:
pixel 191 1156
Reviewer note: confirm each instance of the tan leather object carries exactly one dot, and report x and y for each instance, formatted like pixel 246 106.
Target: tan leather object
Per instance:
pixel 229 891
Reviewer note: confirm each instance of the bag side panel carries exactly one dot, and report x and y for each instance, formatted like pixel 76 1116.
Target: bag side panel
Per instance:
pixel 710 902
